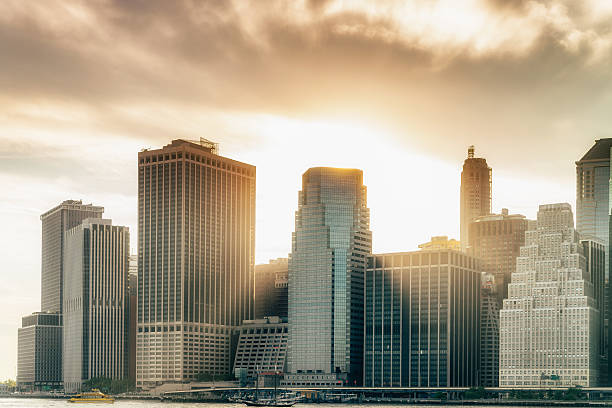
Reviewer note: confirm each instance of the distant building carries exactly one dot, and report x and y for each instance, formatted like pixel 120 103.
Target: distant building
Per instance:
pixel 476 186
pixel 489 332
pixel 441 242
pixel 39 352
pixel 549 325
pixel 271 281
pixel 496 239
pixel 96 303
pixel 55 223
pixel 326 267
pixel 262 346
pixel 593 217
pixel 196 252
pixel 422 322
pixel 133 317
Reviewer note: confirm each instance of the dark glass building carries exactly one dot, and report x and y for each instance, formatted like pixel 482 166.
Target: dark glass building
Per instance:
pixel 271 281
pixel 39 352
pixel 422 312
pixel 55 223
pixel 196 242
pixel 593 216
pixel 476 186
pixel 96 303
pixel 326 267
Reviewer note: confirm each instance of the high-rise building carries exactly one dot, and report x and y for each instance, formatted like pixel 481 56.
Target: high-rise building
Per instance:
pixel 593 216
pixel 262 346
pixel 422 313
pixel 595 257
pixel 326 268
pixel 476 190
pixel 496 239
pixel 489 332
pixel 196 242
pixel 271 287
pixel 39 352
pixel 133 317
pixel 96 302
pixel 441 242
pixel 55 223
pixel 549 325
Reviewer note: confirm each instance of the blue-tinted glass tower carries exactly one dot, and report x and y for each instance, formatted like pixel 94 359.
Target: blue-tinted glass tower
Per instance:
pixel 326 270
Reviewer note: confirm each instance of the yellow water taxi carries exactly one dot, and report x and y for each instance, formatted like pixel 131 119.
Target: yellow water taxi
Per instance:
pixel 94 396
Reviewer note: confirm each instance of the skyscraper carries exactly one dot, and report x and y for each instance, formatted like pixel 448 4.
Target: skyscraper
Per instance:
pixel 326 268
pixel 593 193
pixel 196 242
pixel 497 239
pixel 476 186
pixel 422 319
pixel 593 215
pixel 489 332
pixel 96 302
pixel 549 325
pixel 55 223
pixel 271 281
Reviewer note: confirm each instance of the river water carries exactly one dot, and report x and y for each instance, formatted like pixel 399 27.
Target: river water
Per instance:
pixel 44 403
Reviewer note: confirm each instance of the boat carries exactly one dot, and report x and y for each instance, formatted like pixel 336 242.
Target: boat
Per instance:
pixel 269 402
pixel 94 396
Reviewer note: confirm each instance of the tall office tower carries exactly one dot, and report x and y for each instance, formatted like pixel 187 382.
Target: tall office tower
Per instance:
pixel 133 317
pixel 476 187
pixel 196 244
pixel 595 256
pixel 422 319
pixel 593 213
pixel 55 223
pixel 549 325
pixel 39 352
pixel 271 287
pixel 96 302
pixel 489 332
pixel 497 239
pixel 329 247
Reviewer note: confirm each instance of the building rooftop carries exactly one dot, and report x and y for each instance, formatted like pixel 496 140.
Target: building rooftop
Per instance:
pixel 599 151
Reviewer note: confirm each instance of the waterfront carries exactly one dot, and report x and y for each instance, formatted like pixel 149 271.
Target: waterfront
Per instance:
pixel 52 403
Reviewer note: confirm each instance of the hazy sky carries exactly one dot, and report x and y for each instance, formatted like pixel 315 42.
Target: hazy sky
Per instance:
pixel 398 89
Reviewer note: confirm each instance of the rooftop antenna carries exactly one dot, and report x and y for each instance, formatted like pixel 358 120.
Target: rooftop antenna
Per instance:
pixel 471 152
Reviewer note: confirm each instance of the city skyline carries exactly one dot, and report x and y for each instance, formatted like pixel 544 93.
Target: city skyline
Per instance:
pixel 392 86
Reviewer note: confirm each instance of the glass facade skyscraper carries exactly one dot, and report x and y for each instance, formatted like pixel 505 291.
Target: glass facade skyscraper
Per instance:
pixel 326 269
pixel 422 319
pixel 593 218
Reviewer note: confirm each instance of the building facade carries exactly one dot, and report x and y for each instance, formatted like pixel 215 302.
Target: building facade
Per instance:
pixel 262 346
pixel 489 332
pixel 497 239
pixel 133 317
pixel 549 325
pixel 39 352
pixel 55 223
pixel 593 215
pixel 422 314
pixel 326 268
pixel 476 193
pixel 96 303
pixel 271 288
pixel 196 242
pixel 441 242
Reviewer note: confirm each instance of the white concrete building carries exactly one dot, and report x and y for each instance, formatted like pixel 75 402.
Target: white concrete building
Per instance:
pixel 549 325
